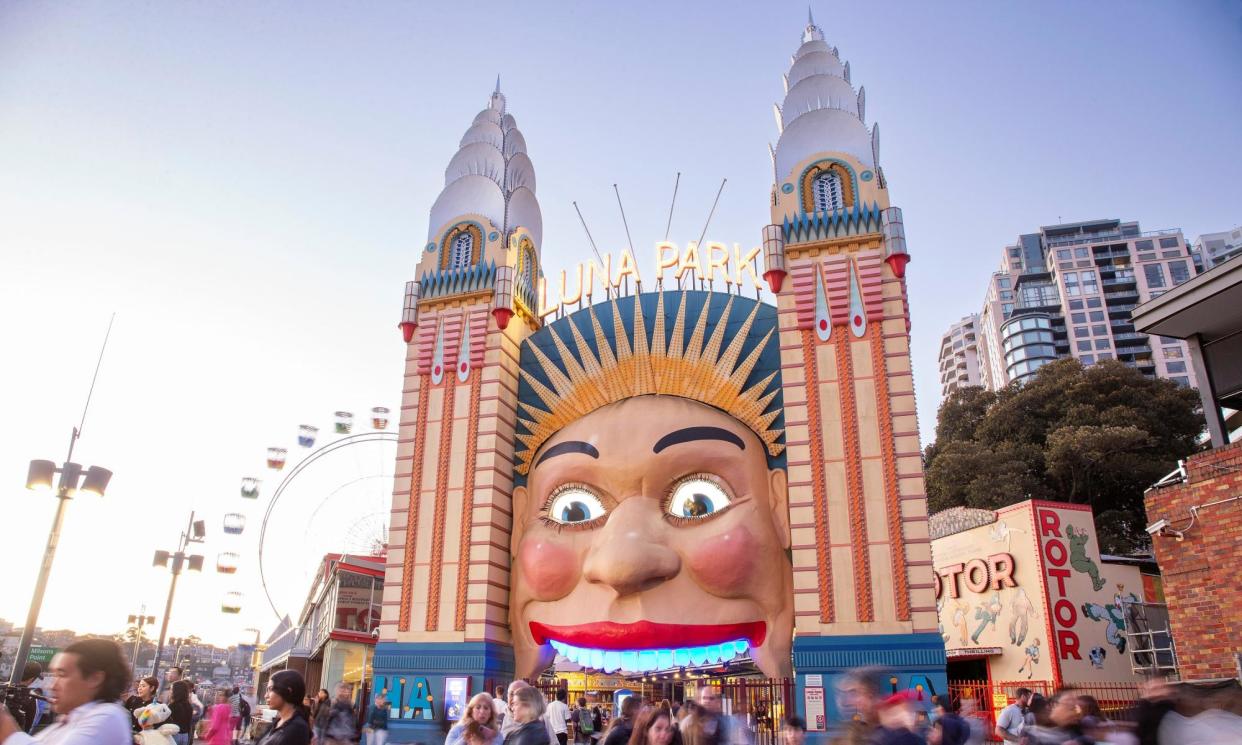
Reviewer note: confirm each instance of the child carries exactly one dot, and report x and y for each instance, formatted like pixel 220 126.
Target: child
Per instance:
pixel 220 730
pixel 148 717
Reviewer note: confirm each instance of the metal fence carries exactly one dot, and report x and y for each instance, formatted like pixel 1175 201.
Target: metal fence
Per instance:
pixel 760 703
pixel 984 699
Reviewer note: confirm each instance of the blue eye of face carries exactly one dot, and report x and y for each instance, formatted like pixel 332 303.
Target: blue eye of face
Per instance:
pixel 575 504
pixel 697 497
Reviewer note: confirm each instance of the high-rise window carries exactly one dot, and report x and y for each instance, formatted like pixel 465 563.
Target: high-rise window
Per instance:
pixel 1179 272
pixel 1089 286
pixel 463 250
pixel 1155 275
pixel 1071 284
pixel 827 191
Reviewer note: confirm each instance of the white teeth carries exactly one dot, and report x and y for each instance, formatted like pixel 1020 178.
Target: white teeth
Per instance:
pixel 648 660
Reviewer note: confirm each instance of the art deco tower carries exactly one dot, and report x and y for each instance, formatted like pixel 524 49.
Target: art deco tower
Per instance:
pixel 446 587
pixel 835 256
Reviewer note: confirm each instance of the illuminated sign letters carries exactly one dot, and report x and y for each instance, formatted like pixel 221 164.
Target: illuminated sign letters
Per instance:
pixel 979 575
pixel 712 261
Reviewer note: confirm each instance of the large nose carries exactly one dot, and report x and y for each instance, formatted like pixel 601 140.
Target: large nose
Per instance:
pixel 628 554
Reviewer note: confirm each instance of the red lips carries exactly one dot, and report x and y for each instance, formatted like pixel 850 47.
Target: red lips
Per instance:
pixel 648 635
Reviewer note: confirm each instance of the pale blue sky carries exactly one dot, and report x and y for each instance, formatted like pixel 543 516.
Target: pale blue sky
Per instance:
pixel 248 185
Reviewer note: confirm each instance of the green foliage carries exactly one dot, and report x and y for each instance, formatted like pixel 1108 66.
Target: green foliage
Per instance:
pixel 1098 435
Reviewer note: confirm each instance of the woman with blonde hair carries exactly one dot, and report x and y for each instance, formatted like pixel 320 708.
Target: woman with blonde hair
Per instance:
pixel 526 707
pixel 478 724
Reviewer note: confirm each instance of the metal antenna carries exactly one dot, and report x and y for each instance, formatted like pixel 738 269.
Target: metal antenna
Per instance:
pixel 77 432
pixel 671 205
pixel 623 220
pixel 588 232
pixel 713 212
pixel 607 290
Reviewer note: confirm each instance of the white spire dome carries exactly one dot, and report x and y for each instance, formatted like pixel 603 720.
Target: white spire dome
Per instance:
pixel 821 112
pixel 491 175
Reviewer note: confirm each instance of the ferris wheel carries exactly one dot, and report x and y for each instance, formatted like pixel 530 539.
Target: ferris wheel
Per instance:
pixel 334 497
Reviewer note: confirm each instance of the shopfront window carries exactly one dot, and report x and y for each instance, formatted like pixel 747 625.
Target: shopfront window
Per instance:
pixel 349 663
pixel 358 602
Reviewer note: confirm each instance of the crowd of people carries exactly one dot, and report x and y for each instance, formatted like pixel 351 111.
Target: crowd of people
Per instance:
pixel 93 703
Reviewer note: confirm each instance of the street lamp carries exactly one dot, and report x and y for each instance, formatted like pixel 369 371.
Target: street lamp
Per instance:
pixel 194 532
pixel 39 478
pixel 139 620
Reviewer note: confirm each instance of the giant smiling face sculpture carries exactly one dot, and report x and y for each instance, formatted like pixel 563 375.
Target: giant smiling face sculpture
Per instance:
pixel 651 533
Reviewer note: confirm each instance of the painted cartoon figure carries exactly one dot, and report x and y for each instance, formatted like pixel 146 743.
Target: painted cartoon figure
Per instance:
pixel 1001 532
pixel 940 619
pixel 653 490
pixel 1114 632
pixel 1097 655
pixel 1022 609
pixel 1078 557
pixel 959 621
pixel 1032 659
pixel 986 614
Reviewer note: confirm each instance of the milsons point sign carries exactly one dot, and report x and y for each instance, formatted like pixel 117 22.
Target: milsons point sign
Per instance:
pixel 735 267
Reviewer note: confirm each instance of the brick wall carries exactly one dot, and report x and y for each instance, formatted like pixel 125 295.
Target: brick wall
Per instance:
pixel 1203 572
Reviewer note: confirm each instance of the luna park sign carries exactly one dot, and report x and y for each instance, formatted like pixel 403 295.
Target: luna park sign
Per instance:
pixel 711 261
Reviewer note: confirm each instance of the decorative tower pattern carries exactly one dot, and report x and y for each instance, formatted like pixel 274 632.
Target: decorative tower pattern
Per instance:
pixel 446 590
pixel 858 512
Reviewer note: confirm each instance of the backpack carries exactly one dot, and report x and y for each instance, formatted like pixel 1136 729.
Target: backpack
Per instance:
pixel 586 722
pixel 243 710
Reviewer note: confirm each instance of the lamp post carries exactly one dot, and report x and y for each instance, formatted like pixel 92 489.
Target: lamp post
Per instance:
pixel 39 478
pixel 194 532
pixel 139 620
pixel 256 658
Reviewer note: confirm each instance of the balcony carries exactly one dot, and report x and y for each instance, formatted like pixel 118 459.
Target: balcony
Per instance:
pixel 1122 294
pixel 1109 236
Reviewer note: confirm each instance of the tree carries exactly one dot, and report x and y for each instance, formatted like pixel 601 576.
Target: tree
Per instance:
pixel 1096 435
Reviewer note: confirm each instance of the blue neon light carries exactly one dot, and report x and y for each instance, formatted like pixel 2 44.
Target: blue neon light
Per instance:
pixel 647 660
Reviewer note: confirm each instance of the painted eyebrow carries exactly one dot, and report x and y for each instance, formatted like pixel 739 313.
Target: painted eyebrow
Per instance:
pixel 572 446
pixel 690 434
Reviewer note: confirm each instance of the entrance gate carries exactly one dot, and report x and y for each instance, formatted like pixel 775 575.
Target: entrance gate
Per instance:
pixel 758 703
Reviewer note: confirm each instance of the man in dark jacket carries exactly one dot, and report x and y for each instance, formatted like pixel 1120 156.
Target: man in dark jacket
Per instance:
pixel 953 729
pixel 342 720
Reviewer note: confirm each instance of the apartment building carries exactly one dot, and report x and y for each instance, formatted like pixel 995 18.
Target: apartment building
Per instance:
pixel 959 356
pixel 1067 291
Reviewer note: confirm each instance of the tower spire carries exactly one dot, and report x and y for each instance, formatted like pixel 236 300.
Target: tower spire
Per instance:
pixel 497 82
pixel 812 32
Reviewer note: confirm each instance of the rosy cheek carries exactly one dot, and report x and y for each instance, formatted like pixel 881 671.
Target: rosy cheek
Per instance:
pixel 724 563
pixel 550 568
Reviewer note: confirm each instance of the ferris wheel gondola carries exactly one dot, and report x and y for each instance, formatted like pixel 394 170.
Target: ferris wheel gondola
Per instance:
pixel 334 498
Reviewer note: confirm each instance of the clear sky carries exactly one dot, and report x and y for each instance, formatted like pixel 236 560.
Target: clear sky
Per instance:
pixel 247 185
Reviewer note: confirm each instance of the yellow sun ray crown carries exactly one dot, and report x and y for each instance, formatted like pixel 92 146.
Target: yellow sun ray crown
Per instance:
pixel 707 370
